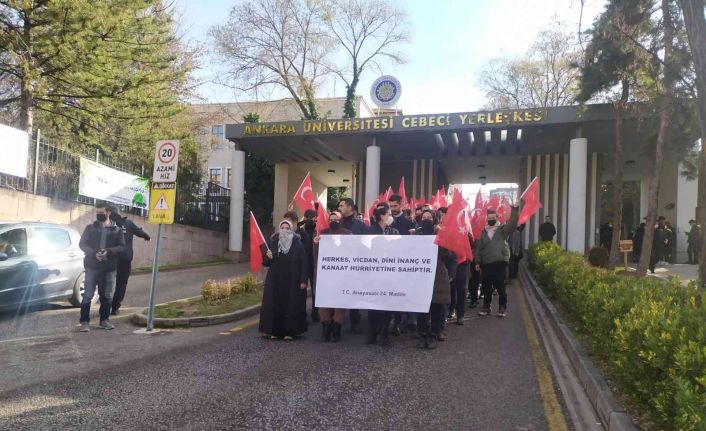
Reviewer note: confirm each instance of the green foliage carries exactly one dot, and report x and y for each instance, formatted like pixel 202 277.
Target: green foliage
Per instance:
pixel 259 182
pixel 335 194
pixel 598 256
pixel 653 334
pixel 106 75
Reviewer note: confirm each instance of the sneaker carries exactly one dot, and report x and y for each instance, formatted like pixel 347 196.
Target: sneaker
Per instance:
pixel 105 324
pixel 288 338
pixel 273 337
pixel 85 327
pixel 502 312
pixel 441 336
pixel 432 343
pixel 423 342
pixel 484 312
pixel 396 331
pixel 451 316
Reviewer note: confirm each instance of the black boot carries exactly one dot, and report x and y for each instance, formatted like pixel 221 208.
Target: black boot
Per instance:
pixel 371 336
pixel 423 341
pixel 336 332
pixel 325 332
pixel 314 315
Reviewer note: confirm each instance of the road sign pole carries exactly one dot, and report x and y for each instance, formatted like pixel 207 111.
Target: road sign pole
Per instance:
pixel 155 270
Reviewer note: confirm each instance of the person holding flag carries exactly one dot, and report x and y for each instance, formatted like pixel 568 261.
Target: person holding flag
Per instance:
pixel 331 319
pixel 492 257
pixel 283 310
pixel 430 324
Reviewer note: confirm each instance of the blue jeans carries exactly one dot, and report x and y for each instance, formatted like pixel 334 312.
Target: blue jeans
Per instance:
pixel 104 281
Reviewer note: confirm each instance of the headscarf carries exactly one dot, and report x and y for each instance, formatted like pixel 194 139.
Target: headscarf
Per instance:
pixel 285 237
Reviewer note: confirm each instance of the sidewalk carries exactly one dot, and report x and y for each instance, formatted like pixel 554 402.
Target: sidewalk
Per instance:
pixel 686 273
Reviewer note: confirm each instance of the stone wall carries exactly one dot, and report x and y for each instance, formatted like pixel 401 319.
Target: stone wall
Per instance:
pixel 179 244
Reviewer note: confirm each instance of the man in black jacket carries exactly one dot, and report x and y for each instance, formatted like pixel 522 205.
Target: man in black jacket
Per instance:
pixel 547 230
pixel 124 268
pixel 357 227
pixel 404 226
pixel 102 243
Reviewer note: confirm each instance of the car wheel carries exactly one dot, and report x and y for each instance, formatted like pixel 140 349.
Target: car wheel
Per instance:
pixel 79 287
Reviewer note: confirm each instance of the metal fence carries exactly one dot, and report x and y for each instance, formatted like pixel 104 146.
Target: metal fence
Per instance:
pixel 204 205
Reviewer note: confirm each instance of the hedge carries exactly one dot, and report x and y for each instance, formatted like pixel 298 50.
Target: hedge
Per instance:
pixel 651 333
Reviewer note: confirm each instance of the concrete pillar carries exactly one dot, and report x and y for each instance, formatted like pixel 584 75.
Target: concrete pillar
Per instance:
pixel 555 193
pixel 282 197
pixel 237 201
pixel 414 181
pixel 372 175
pixel 576 234
pixel 686 210
pixel 565 202
pixel 594 200
pixel 644 193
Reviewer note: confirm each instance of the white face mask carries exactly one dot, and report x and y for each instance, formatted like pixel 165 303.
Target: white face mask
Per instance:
pixel 389 220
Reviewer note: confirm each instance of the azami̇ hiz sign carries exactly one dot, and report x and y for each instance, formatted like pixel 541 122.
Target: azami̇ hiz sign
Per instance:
pixel 426 122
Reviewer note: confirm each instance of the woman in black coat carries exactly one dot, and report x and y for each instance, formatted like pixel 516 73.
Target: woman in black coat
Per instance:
pixel 379 320
pixel 283 311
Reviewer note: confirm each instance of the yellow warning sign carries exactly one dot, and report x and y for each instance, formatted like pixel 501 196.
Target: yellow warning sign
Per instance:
pixel 162 198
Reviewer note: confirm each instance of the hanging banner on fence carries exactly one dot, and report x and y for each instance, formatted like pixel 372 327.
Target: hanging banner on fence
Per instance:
pixel 101 182
pixel 14 147
pixel 376 272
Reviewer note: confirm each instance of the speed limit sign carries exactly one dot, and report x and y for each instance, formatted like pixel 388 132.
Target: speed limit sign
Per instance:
pixel 166 159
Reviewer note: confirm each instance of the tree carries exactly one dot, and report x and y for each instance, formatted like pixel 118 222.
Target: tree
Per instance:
pixel 545 76
pixel 695 23
pixel 107 75
pixel 367 31
pixel 259 181
pixel 275 44
pixel 612 60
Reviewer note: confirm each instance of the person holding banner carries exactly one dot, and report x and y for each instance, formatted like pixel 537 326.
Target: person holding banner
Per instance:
pixel 379 320
pixel 404 226
pixel 348 210
pixel 441 295
pixel 492 257
pixel 331 318
pixel 283 311
pixel 307 242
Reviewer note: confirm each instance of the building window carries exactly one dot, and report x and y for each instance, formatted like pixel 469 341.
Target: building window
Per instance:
pixel 229 176
pixel 218 131
pixel 214 175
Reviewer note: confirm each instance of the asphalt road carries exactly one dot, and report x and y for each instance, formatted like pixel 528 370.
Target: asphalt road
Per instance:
pixel 60 317
pixel 482 378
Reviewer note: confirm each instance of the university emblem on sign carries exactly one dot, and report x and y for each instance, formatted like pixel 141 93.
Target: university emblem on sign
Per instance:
pixel 385 91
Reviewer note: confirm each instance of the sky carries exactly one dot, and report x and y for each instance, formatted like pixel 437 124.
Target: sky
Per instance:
pixel 451 42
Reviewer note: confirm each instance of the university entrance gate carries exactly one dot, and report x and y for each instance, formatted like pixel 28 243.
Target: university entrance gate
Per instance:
pixel 568 148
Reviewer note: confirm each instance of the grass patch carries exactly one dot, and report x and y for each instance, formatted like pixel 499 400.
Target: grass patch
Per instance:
pixel 173 266
pixel 203 307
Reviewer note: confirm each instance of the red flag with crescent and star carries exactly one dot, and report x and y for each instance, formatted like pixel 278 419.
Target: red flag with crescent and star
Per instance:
pixel 321 219
pixel 453 232
pixel 304 198
pixel 531 201
pixel 256 241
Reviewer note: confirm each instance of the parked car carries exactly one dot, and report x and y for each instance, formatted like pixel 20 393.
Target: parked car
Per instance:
pixel 39 262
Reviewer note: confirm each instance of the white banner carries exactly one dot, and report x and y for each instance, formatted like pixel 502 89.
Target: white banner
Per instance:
pixel 14 147
pixel 101 182
pixel 376 272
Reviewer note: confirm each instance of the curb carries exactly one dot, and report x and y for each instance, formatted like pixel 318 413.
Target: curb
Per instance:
pixel 611 413
pixel 196 321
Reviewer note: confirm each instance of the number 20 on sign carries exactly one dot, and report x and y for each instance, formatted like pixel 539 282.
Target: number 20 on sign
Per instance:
pixel 166 160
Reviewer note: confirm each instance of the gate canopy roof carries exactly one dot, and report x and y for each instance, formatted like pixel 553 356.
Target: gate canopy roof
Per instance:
pixel 435 136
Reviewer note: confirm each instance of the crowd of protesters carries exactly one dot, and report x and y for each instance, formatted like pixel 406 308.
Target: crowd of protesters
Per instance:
pixel 292 251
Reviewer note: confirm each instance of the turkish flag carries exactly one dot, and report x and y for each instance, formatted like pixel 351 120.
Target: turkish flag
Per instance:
pixel 401 191
pixel 442 197
pixel 494 203
pixel 531 201
pixel 453 232
pixel 256 241
pixel 321 219
pixel 304 197
pixel 478 220
pixel 504 211
pixel 479 201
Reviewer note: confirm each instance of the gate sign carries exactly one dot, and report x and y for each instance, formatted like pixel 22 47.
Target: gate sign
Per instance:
pixel 166 159
pixel 386 91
